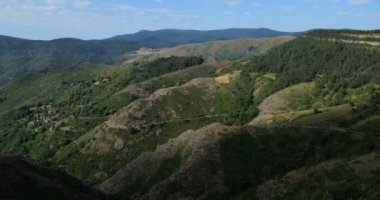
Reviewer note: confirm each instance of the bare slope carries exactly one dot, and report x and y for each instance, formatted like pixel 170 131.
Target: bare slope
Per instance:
pixel 286 104
pixel 191 100
pixel 218 50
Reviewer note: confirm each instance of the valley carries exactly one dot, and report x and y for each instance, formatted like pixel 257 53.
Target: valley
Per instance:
pixel 265 118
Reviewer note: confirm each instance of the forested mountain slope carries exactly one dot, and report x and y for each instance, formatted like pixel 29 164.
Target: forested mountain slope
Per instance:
pixel 173 37
pixel 299 122
pixel 20 57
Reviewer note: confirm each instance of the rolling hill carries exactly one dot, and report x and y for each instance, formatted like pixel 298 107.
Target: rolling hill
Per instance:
pixel 20 57
pixel 173 37
pixel 299 121
pixel 222 50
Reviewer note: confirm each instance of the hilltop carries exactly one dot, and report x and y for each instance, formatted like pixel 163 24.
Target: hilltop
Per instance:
pixel 221 50
pixel 173 37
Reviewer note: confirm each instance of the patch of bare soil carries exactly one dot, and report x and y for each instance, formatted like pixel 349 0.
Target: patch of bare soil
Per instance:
pixel 277 107
pixel 227 78
pixel 201 49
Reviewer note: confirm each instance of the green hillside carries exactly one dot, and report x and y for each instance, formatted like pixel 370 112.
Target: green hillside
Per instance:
pixel 337 63
pixel 67 101
pixel 20 57
pixel 173 37
pixel 297 122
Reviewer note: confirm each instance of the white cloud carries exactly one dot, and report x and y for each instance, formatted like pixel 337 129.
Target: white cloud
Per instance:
pixel 358 2
pixel 138 10
pixel 34 6
pixel 48 19
pixel 233 2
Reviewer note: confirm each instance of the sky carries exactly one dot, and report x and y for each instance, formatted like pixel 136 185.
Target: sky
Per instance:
pixel 98 19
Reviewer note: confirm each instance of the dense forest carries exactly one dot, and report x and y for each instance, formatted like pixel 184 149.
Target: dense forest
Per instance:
pixel 340 64
pixel 349 35
pixel 173 37
pixel 335 66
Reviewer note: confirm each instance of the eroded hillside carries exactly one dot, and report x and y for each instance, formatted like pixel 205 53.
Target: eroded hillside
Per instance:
pixel 172 128
pixel 214 50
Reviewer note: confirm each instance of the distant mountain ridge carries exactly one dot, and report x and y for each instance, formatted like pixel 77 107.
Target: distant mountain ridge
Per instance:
pixel 21 57
pixel 174 37
pixel 220 50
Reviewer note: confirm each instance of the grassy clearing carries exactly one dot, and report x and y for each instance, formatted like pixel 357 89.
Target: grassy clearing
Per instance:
pixel 370 124
pixel 294 98
pixel 172 79
pixel 336 114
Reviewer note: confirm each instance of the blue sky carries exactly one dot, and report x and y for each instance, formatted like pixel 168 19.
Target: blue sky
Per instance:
pixel 95 19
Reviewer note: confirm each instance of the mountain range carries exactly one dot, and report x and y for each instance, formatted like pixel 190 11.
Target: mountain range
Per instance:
pixel 173 37
pixel 292 119
pixel 19 57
